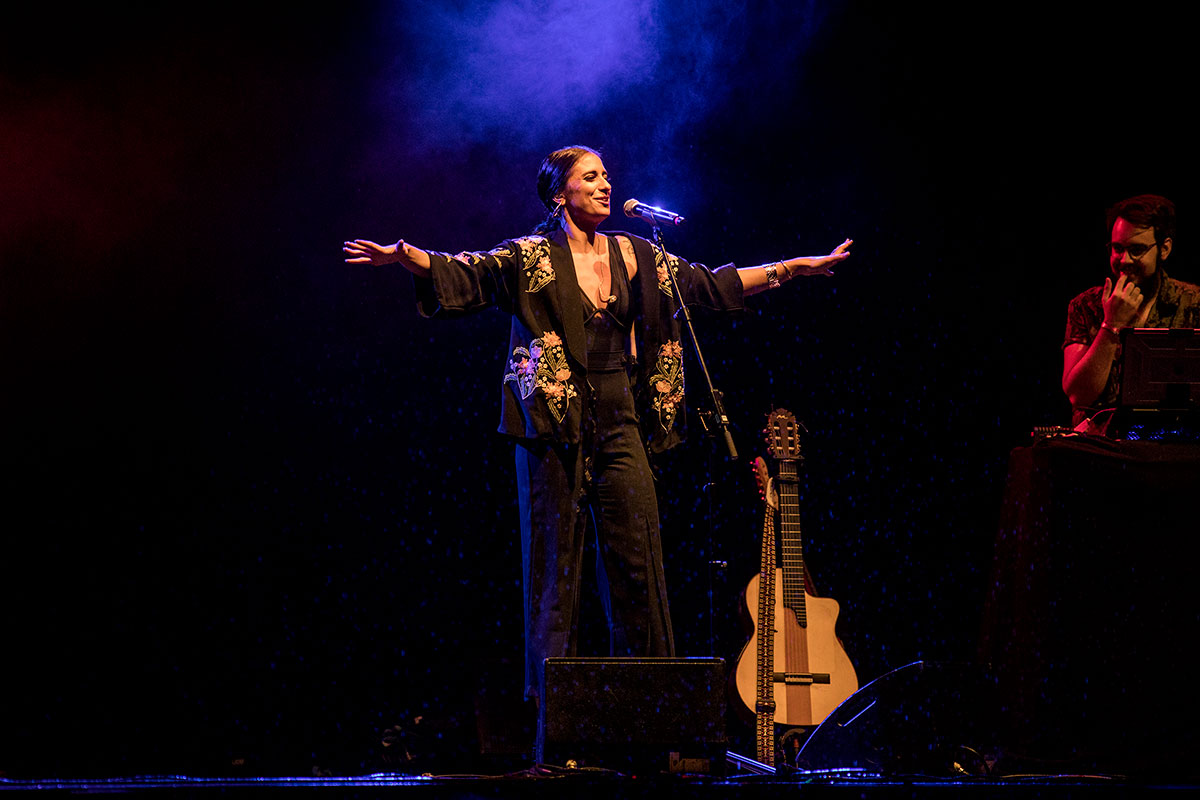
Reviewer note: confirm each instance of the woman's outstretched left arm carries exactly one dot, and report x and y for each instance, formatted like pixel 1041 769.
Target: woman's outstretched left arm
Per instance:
pixel 769 276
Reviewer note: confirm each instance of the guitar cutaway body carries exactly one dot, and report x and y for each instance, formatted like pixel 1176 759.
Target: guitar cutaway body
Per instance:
pixel 799 651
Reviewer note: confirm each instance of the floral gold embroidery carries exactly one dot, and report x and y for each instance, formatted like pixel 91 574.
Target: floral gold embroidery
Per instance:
pixel 666 383
pixel 543 366
pixel 471 259
pixel 522 369
pixel 535 257
pixel 664 281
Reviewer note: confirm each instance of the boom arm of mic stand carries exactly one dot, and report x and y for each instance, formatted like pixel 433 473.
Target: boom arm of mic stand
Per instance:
pixel 718 407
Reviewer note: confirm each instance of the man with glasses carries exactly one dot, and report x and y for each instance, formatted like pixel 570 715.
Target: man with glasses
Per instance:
pixel 1136 294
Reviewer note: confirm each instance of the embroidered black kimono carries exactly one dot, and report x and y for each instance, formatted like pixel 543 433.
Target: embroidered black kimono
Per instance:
pixel 572 454
pixel 533 278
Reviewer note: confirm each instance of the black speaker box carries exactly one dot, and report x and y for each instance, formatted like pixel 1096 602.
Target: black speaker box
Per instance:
pixel 633 714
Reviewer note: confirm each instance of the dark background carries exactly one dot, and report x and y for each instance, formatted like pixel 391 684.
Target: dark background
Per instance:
pixel 256 515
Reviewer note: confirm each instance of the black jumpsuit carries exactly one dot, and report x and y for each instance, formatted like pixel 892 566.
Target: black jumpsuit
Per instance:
pixel 608 474
pixel 566 400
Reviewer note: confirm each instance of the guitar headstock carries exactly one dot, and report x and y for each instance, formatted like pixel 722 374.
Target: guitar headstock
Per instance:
pixel 766 489
pixel 783 435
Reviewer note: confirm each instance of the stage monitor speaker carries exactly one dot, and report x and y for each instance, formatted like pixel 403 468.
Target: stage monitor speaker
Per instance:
pixel 634 714
pixel 926 718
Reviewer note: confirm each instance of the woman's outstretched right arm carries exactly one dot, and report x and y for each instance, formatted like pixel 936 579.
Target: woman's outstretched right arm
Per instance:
pixel 364 251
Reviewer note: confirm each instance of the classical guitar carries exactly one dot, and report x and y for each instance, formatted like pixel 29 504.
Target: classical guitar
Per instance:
pixel 810 673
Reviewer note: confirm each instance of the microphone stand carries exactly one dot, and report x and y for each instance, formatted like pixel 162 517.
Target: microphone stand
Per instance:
pixel 722 421
pixel 715 564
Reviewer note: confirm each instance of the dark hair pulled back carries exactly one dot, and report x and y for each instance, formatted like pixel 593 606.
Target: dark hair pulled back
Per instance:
pixel 552 178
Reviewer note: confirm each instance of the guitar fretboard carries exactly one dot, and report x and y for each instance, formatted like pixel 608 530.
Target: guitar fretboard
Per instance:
pixel 791 553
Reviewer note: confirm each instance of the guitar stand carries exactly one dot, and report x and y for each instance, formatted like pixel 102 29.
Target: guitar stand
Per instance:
pixel 748 764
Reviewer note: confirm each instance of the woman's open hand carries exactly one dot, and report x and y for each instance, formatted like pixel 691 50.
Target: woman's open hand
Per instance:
pixel 364 251
pixel 819 265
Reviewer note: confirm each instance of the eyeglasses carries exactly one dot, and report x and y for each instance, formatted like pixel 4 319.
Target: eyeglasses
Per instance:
pixel 1135 250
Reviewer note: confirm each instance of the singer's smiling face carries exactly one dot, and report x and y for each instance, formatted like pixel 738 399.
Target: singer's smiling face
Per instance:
pixel 588 194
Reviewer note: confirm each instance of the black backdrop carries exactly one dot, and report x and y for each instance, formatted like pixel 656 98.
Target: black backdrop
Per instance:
pixel 255 508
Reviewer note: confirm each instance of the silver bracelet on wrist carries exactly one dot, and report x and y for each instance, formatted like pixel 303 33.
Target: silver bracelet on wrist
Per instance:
pixel 1104 326
pixel 772 277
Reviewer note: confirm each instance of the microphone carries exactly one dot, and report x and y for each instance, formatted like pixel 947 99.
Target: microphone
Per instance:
pixel 651 214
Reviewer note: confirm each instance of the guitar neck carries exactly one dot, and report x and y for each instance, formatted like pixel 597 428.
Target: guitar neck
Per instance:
pixel 791 555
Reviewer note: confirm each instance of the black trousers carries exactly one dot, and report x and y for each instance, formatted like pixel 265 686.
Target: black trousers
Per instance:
pixel 608 481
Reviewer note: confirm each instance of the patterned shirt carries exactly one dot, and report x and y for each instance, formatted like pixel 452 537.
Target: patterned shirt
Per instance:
pixel 1178 306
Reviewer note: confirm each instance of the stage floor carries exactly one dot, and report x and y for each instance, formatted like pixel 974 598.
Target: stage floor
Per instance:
pixel 608 784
